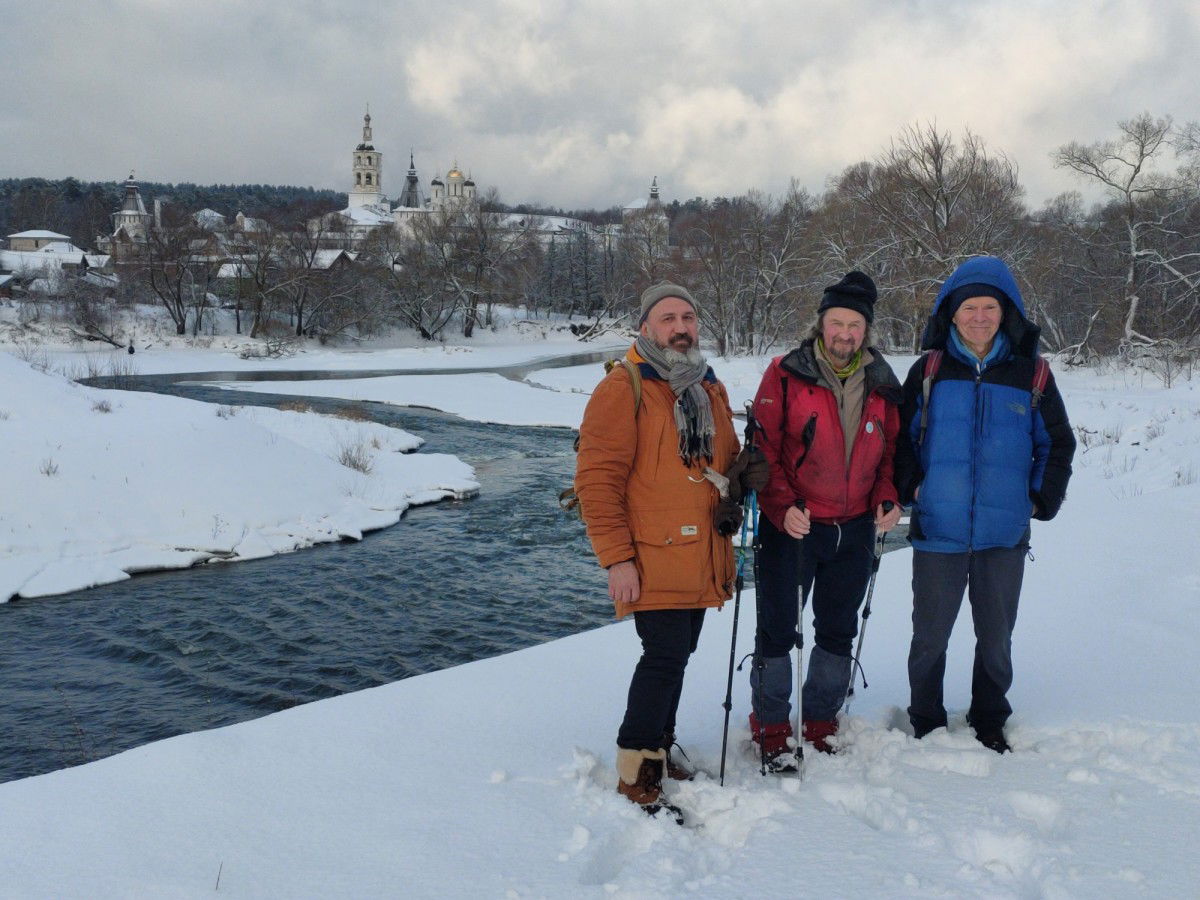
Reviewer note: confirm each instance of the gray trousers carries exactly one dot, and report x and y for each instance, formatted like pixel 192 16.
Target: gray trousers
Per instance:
pixel 992 580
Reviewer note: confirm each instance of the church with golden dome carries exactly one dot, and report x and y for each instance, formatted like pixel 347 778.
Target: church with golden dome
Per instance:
pixel 369 207
pixel 456 190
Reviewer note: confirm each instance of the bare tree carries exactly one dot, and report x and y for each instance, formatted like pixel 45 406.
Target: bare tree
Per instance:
pixel 928 203
pixel 1149 227
pixel 646 239
pixel 176 265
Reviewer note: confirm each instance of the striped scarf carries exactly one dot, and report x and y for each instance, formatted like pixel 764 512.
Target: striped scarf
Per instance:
pixel 684 372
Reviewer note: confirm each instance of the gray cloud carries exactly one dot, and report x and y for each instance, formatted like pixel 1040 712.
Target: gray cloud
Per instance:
pixel 573 103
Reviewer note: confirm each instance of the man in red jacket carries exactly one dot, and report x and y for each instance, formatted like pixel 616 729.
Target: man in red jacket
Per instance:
pixel 829 420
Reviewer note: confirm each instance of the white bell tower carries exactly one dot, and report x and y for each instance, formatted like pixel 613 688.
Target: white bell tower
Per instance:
pixel 366 187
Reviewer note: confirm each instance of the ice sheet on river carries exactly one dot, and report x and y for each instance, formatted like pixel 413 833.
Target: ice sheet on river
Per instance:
pixel 98 484
pixel 480 397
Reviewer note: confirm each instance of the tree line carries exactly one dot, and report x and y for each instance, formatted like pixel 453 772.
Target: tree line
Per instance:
pixel 1117 275
pixel 83 209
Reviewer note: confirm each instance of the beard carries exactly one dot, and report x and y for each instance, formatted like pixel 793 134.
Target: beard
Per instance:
pixel 691 356
pixel 840 352
pixel 680 343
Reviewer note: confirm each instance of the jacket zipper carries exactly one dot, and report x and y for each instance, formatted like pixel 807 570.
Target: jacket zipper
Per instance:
pixel 976 436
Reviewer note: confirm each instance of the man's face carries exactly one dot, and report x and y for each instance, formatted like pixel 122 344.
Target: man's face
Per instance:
pixel 977 320
pixel 843 331
pixel 672 324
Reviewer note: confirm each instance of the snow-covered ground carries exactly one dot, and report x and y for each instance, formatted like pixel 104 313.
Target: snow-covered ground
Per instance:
pixel 496 778
pixel 99 484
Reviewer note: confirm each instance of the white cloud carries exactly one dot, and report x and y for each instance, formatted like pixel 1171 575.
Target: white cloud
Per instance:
pixel 576 103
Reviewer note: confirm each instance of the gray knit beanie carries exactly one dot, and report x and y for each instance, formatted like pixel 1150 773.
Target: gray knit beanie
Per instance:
pixel 662 291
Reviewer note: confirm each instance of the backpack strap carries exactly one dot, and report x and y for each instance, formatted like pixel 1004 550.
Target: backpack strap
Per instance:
pixel 635 379
pixel 568 498
pixel 933 361
pixel 1041 374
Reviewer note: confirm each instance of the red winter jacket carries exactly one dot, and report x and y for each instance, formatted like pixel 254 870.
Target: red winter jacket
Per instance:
pixel 802 438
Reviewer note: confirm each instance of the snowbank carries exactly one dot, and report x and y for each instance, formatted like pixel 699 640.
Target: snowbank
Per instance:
pixel 496 778
pixel 100 484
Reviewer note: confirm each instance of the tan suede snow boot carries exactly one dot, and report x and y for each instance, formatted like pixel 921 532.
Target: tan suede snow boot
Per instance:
pixel 639 779
pixel 639 774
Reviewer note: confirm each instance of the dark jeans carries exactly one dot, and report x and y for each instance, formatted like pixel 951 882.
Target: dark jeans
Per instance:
pixel 992 579
pixel 669 637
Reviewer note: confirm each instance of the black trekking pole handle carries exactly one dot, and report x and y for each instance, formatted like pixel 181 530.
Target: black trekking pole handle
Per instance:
pixel 888 506
pixel 751 425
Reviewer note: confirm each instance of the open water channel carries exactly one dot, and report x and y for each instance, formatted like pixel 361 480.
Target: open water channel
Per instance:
pixel 91 673
pixel 88 674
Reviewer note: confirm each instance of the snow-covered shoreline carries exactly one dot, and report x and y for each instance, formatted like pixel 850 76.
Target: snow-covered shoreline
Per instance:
pixel 496 778
pixel 100 484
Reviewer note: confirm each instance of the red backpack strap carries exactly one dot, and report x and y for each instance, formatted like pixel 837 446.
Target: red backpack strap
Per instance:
pixel 1041 374
pixel 933 361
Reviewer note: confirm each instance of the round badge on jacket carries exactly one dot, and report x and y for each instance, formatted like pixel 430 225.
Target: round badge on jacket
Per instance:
pixel 870 427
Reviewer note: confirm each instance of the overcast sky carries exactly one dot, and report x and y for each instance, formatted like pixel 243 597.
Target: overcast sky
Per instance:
pixel 572 104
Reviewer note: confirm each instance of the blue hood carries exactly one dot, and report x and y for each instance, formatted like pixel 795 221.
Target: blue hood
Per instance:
pixel 987 270
pixel 1022 334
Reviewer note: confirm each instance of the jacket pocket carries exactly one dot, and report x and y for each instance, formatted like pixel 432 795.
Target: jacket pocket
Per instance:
pixel 669 550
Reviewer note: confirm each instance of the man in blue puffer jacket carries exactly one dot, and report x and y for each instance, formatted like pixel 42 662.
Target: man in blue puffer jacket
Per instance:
pixel 986 456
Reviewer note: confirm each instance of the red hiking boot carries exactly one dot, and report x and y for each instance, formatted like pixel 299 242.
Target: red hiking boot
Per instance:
pixel 818 732
pixel 776 744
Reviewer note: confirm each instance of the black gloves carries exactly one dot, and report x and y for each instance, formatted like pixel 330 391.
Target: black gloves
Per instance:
pixel 728 517
pixel 749 472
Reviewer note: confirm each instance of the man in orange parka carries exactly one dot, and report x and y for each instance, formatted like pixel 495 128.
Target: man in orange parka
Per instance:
pixel 649 479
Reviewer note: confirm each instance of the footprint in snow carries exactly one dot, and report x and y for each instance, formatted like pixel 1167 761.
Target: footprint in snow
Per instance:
pixel 1044 812
pixel 972 763
pixel 881 808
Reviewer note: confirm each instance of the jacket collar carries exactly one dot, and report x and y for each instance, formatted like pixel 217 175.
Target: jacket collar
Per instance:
pixel 878 375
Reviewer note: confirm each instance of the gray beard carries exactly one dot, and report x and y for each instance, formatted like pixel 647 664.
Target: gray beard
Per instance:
pixel 693 356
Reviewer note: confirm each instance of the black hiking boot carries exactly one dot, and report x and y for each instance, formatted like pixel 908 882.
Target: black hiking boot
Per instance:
pixel 993 739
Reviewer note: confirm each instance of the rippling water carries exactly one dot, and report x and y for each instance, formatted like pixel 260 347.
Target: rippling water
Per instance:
pixel 88 674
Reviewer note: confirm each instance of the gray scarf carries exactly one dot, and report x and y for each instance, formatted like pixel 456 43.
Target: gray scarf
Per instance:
pixel 684 372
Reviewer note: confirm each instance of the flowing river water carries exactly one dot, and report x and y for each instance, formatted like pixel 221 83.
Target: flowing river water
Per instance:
pixel 94 672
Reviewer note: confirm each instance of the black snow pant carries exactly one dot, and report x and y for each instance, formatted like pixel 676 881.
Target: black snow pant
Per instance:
pixel 832 566
pixel 669 637
pixel 992 579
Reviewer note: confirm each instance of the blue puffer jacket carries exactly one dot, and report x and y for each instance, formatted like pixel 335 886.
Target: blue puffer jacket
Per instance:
pixel 988 456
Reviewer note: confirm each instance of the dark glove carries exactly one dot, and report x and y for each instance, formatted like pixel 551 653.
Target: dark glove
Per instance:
pixel 750 472
pixel 728 517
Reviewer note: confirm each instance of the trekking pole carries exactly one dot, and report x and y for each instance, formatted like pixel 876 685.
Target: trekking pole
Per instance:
pixel 801 603
pixel 749 511
pixel 759 662
pixel 856 664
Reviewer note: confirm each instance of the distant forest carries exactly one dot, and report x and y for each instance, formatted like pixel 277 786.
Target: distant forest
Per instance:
pixel 83 209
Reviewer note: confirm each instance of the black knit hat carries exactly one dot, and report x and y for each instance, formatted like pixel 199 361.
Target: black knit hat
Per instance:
pixel 855 291
pixel 965 292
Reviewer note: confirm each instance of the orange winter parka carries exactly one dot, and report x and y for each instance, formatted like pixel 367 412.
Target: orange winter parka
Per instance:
pixel 641 502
